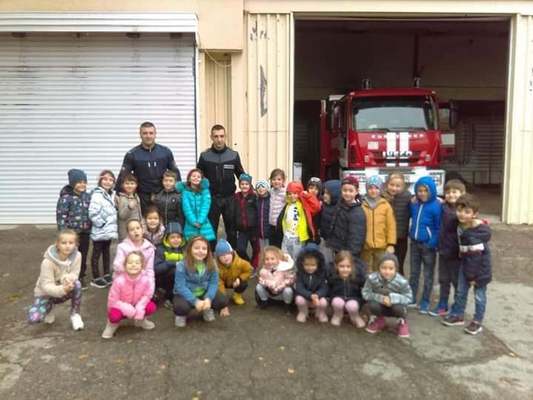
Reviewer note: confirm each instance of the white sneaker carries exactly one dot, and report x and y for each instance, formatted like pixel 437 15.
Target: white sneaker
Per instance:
pixel 109 330
pixel 301 317
pixel 77 322
pixel 180 322
pixel 145 324
pixel 209 315
pixel 49 318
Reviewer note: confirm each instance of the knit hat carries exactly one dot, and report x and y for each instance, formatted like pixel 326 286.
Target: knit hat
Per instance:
pixel 223 247
pixel 173 227
pixel 245 177
pixel 104 173
pixel 315 181
pixel 295 187
pixel 262 183
pixel 390 256
pixel 374 181
pixel 350 180
pixel 75 176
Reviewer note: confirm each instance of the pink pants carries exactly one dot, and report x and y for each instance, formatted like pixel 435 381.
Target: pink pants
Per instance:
pixel 303 304
pixel 115 315
pixel 339 305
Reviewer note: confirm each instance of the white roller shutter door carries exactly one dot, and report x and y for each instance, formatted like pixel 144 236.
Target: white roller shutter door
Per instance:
pixel 76 101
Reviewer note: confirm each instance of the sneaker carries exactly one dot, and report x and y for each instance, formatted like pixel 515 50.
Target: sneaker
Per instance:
pixel 440 310
pixel 453 320
pixel 424 307
pixel 99 283
pixel 108 278
pixel 377 324
pixel 260 303
pixel 208 315
pixel 403 328
pixel 474 328
pixel 358 321
pixel 237 299
pixel 412 305
pixel 180 322
pixel 84 284
pixel 77 322
pixel 109 330
pixel 50 318
pixel 301 317
pixel 145 324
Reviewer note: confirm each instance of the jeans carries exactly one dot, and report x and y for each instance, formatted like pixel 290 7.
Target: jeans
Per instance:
pixel 421 255
pixel 292 246
pixel 461 297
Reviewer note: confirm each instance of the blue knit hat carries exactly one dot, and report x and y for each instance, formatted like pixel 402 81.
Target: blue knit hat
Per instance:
pixel 223 247
pixel 374 181
pixel 245 177
pixel 75 176
pixel 173 227
pixel 262 183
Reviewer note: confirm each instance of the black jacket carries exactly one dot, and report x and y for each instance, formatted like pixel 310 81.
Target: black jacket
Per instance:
pixel 348 228
pixel 448 241
pixel 245 212
pixel 402 214
pixel 221 167
pixel 148 166
pixel 263 211
pixel 308 284
pixel 328 210
pixel 474 252
pixel 349 289
pixel 169 205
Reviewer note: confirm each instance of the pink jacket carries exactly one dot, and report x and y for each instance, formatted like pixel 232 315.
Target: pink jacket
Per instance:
pixel 278 278
pixel 126 247
pixel 131 295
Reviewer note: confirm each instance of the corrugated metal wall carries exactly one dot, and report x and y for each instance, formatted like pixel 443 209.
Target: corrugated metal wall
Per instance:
pixel 518 173
pixel 267 140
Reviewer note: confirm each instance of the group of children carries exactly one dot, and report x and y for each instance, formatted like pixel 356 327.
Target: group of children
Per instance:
pixel 349 250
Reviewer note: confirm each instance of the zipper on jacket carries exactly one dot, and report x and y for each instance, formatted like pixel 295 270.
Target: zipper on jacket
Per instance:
pixel 418 221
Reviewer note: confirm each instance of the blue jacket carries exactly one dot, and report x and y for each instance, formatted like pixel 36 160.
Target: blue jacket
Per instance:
pixel 196 207
pixel 425 216
pixel 448 241
pixel 103 215
pixel 186 281
pixel 474 252
pixel 72 211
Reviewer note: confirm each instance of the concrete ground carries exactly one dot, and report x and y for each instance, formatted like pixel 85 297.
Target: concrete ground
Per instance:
pixel 256 354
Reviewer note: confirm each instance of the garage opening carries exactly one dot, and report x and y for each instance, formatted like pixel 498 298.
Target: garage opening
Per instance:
pixel 463 60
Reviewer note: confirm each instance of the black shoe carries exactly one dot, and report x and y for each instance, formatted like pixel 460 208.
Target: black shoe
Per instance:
pixel 99 283
pixel 109 279
pixel 260 303
pixel 453 320
pixel 474 328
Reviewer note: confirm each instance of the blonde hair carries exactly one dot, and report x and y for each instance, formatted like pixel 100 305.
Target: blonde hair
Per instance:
pixel 134 253
pixel 129 223
pixel 66 232
pixel 271 249
pixel 343 255
pixel 396 175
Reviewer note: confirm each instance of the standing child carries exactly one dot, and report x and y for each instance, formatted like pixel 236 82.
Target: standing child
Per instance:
pixel 424 233
pixel 233 272
pixel 167 254
pixel 263 211
pixel 72 212
pixel 278 199
pixel 196 284
pixel 388 293
pixel 245 219
pixel 104 229
pixel 330 198
pixel 345 290
pixel 130 296
pixel 448 246
pixel 314 187
pixel 168 200
pixel 196 201
pixel 400 198
pixel 475 268
pixel 58 281
pixel 128 205
pixel 153 228
pixel 380 224
pixel 296 219
pixel 311 286
pixel 276 277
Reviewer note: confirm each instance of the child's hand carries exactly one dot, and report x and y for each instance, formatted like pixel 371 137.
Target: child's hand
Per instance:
pixel 386 301
pixel 314 299
pixel 224 312
pixel 68 286
pixel 199 305
pixel 390 249
pixel 207 304
pixel 236 283
pixel 139 315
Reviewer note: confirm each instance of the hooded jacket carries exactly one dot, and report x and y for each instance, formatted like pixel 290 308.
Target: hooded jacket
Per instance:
pixel 55 272
pixel 397 289
pixel 328 210
pixel 474 253
pixel 380 225
pixel 400 205
pixel 126 247
pixel 263 212
pixel 72 211
pixel 128 207
pixel 346 289
pixel 277 278
pixel 169 206
pixel 278 198
pixel 245 211
pixel 448 240
pixel 227 274
pixel 348 228
pixel 426 215
pixel 167 256
pixel 187 282
pixel 221 167
pixel 130 295
pixel 196 207
pixel 315 283
pixel 103 215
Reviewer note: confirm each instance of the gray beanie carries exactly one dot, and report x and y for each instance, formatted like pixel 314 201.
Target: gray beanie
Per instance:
pixel 392 257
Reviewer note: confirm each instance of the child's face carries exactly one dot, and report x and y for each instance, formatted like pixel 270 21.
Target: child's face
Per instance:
pixel 168 183
pixel 310 265
pixel 387 270
pixel 134 265
pixel 66 244
pixel 195 178
pixel 226 259
pixel 348 193
pixel 262 191
pixel 244 186
pixel 452 195
pixel 135 231
pixel 466 215
pixel 199 250
pixel 395 186
pixel 80 187
pixel 326 197
pixel 152 221
pixel 422 193
pixel 277 182
pixel 313 189
pixel 107 182
pixel 271 259
pixel 344 268
pixel 129 187
pixel 174 239
pixel 372 192
pixel 292 196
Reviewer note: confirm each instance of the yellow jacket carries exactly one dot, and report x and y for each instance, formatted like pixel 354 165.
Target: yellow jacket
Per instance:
pixel 380 225
pixel 227 274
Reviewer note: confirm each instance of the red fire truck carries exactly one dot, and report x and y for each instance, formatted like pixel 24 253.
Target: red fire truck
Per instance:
pixel 373 131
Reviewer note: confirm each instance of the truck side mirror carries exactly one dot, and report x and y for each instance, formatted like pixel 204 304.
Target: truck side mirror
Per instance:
pixel 454 114
pixel 448 115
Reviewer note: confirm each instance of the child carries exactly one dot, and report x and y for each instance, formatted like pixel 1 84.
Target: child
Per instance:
pixel 58 281
pixel 196 284
pixel 276 277
pixel 448 246
pixel 130 296
pixel 245 219
pixel 167 254
pixel 475 267
pixel 314 187
pixel 311 287
pixel 388 293
pixel 330 198
pixel 72 212
pixel 345 290
pixel 128 205
pixel 103 216
pixel 233 272
pixel 196 201
pixel 296 219
pixel 168 200
pixel 263 211
pixel 400 199
pixel 153 229
pixel 278 199
pixel 424 233
pixel 348 225
pixel 135 242
pixel 380 224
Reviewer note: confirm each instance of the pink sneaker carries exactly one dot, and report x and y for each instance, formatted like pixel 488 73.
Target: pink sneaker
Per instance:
pixel 376 325
pixel 403 328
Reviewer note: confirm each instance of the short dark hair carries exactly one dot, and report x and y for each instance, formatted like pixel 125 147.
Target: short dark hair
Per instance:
pixel 455 184
pixel 129 177
pixel 217 127
pixel 278 172
pixel 147 124
pixel 170 174
pixel 152 209
pixel 468 201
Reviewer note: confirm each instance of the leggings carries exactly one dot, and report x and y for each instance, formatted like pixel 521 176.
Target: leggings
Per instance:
pixel 264 294
pixel 339 305
pixel 84 250
pixel 42 305
pixel 304 304
pixel 100 248
pixel 115 315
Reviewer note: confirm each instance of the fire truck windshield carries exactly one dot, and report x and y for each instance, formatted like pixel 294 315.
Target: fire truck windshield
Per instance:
pixel 394 113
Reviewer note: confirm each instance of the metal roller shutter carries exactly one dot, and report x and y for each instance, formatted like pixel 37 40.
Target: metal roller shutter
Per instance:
pixel 76 101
